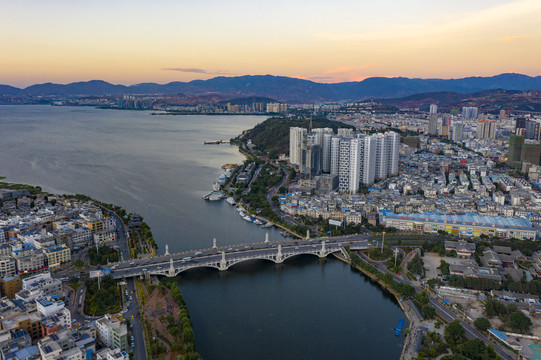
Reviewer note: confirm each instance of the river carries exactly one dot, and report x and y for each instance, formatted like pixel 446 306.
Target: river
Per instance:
pixel 157 165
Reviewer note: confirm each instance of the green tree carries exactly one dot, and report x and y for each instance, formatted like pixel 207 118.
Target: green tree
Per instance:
pixel 474 349
pixel 454 332
pixel 519 321
pixel 428 312
pixel 423 297
pixel 481 323
pixel 79 263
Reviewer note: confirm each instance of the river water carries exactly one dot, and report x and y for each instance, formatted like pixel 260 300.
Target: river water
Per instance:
pixel 157 165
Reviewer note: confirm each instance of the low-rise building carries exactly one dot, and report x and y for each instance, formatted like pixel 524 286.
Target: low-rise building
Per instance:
pixel 9 286
pixel 57 255
pixel 463 249
pixel 112 332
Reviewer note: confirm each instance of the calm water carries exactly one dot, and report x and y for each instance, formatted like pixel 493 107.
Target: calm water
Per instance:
pixel 158 166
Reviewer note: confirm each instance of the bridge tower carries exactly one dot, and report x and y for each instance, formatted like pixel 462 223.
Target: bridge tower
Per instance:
pixel 171 268
pixel 322 252
pixel 166 249
pixel 308 234
pixel 223 262
pixel 279 256
pixel 266 237
pixel 214 243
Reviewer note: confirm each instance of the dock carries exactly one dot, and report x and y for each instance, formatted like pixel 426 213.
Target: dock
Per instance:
pixel 216 142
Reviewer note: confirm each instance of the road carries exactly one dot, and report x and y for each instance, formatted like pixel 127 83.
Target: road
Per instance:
pixel 234 254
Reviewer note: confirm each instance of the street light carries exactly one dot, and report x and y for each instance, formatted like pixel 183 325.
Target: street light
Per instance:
pixel 382 241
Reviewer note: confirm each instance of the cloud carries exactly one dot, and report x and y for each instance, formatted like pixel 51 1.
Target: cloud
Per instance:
pixel 198 71
pixel 510 38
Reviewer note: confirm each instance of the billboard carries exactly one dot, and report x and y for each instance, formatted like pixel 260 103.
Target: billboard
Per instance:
pixel 335 222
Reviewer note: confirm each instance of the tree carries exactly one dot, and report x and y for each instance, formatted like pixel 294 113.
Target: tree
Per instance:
pixel 474 349
pixel 422 297
pixel 519 321
pixel 454 332
pixel 79 263
pixel 481 323
pixel 428 312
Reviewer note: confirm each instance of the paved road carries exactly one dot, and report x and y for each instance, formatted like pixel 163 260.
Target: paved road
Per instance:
pixel 234 254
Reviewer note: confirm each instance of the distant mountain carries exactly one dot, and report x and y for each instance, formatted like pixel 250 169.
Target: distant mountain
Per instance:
pixel 487 100
pixel 288 89
pixel 9 90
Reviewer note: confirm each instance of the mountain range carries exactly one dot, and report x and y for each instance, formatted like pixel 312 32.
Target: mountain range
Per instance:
pixel 287 89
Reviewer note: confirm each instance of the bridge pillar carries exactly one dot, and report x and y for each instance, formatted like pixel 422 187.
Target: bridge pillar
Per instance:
pixel 308 234
pixel 166 249
pixel 266 237
pixel 214 243
pixel 279 259
pixel 223 262
pixel 171 268
pixel 322 252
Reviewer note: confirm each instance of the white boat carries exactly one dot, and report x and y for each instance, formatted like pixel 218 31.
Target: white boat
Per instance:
pixel 247 218
pixel 268 225
pixel 230 201
pixel 216 186
pixel 216 195
pixel 206 196
pixel 222 179
pixel 258 222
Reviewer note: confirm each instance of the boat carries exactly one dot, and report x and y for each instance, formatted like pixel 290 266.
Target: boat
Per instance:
pixel 398 328
pixel 258 222
pixel 222 179
pixel 268 225
pixel 230 201
pixel 216 186
pixel 247 218
pixel 284 233
pixel 206 196
pixel 216 195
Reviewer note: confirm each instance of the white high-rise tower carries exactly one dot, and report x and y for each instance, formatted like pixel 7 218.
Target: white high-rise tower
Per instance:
pixel 297 138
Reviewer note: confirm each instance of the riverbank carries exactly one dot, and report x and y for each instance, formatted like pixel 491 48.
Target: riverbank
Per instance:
pixel 412 333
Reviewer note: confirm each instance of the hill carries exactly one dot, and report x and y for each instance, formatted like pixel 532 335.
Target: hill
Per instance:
pixel 487 100
pixel 292 90
pixel 272 135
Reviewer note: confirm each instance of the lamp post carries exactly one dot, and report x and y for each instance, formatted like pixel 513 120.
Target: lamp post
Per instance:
pixel 382 241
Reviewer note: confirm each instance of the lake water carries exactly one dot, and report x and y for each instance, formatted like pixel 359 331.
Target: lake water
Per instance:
pixel 158 166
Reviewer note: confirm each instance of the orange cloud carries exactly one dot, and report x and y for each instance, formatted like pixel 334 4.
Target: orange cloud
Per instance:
pixel 510 38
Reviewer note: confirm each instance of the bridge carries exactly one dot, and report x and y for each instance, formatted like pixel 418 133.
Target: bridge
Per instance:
pixel 222 259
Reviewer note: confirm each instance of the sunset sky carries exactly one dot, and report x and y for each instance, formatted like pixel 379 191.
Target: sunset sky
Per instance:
pixel 129 42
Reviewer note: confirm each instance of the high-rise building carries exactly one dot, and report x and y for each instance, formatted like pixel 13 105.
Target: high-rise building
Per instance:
pixel 433 120
pixel 446 121
pixel 533 129
pixel 335 154
pixel 392 143
pixel 502 115
pixel 520 123
pixel 469 112
pixel 326 150
pixel 297 139
pixel 457 132
pixel 368 159
pixel 381 156
pixel 515 149
pixel 345 165
pixel 531 153
pixel 486 129
pixel 346 133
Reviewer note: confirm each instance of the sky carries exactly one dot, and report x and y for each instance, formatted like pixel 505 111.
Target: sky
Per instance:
pixel 130 42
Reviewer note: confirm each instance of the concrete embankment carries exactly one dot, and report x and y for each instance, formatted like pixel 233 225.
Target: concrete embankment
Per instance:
pixel 411 337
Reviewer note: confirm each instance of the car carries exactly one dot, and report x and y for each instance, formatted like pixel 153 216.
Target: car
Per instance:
pixel 198 253
pixel 145 269
pixel 230 249
pixel 159 267
pixel 131 337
